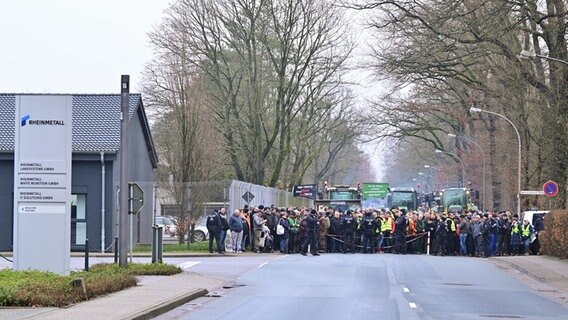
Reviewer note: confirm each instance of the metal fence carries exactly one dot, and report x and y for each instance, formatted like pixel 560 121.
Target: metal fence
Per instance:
pixel 204 197
pixel 240 192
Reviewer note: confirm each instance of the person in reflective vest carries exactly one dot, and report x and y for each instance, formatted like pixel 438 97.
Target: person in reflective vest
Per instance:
pixel 451 234
pixel 526 233
pixel 386 229
pixel 516 239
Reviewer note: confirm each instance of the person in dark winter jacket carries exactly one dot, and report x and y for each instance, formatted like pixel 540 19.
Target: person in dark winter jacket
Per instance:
pixel 441 236
pixel 368 226
pixel 283 222
pixel 400 226
pixel 224 228
pixel 246 230
pixel 213 228
pixel 335 233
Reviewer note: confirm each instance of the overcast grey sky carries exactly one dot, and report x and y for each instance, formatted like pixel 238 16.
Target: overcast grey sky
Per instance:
pixel 74 46
pixel 83 46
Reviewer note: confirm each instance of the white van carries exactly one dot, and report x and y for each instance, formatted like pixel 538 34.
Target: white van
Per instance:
pixel 532 216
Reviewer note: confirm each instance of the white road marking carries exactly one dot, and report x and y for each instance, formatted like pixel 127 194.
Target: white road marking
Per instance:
pixel 405 290
pixel 262 265
pixel 189 264
pixel 281 257
pixel 412 305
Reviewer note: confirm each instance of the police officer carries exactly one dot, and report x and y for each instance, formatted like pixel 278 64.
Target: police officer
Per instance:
pixel 214 226
pixel 400 232
pixel 442 235
pixel 368 227
pixel 526 233
pixel 312 236
pixel 349 224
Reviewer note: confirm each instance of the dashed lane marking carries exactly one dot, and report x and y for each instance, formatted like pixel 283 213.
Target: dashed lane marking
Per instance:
pixel 262 265
pixel 405 290
pixel 412 305
pixel 189 264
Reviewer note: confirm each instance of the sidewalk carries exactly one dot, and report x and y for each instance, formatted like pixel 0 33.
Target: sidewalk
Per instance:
pixel 152 296
pixel 544 269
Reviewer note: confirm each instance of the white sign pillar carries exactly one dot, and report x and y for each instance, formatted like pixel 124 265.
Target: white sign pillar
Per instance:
pixel 42 183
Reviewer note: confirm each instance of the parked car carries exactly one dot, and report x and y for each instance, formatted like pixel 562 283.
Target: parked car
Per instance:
pixel 200 233
pixel 167 223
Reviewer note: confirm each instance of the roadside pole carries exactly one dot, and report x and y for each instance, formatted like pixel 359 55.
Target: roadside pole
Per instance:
pixel 123 227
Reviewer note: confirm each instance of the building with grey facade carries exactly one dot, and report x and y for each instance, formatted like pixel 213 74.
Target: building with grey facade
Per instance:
pixel 95 170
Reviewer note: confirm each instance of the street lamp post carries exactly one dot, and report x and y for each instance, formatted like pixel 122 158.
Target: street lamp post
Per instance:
pixel 459 160
pixel 427 180
pixel 483 155
pixel 430 168
pixel 473 110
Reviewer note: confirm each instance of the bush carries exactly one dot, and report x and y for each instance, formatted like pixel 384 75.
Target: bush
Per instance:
pixel 138 269
pixel 45 289
pixel 554 238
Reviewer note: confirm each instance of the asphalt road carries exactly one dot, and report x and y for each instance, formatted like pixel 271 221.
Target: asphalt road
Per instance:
pixel 336 286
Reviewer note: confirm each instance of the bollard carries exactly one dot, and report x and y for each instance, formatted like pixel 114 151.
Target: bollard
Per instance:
pixel 157 244
pixel 86 254
pixel 115 249
pixel 160 245
pixel 428 244
pixel 154 244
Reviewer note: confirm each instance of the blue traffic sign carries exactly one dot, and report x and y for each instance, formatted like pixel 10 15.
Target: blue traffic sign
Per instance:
pixel 550 188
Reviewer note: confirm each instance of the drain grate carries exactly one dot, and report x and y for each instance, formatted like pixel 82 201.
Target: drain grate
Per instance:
pixel 500 316
pixel 232 285
pixel 546 290
pixel 214 295
pixel 457 284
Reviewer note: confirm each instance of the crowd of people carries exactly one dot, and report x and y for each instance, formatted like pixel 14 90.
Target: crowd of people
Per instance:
pixel 299 230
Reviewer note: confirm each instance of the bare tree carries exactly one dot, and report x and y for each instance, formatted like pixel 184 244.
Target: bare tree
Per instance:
pixel 468 51
pixel 266 63
pixel 174 91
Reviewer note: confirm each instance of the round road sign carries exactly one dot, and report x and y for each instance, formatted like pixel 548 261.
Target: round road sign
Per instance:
pixel 550 188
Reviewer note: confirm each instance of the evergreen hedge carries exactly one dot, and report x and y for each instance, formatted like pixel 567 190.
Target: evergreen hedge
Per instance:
pixel 554 238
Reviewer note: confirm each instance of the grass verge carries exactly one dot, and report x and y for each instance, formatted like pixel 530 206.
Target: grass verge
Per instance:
pixel 45 289
pixel 202 246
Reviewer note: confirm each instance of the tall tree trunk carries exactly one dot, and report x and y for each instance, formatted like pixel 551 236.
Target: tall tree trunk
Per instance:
pixel 495 176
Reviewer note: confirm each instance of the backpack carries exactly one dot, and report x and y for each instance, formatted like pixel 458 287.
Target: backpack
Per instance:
pixel 211 223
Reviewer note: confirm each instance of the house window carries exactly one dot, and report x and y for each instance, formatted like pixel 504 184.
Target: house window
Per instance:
pixel 78 219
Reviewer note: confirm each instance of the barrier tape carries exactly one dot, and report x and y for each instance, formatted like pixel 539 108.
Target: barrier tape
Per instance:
pixel 418 236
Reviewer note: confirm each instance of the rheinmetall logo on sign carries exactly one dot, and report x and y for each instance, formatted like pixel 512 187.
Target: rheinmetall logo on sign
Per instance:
pixel 27 120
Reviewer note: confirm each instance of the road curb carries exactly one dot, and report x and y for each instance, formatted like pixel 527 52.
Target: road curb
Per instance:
pixel 519 268
pixel 155 311
pixel 149 255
